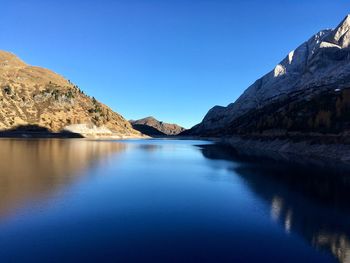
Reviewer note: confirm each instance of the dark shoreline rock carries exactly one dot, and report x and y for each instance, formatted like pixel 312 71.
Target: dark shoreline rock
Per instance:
pixel 307 151
pixel 35 131
pixel 40 135
pixel 331 152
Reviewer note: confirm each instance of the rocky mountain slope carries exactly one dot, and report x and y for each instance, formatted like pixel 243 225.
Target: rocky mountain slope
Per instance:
pixel 152 127
pixel 307 92
pixel 33 96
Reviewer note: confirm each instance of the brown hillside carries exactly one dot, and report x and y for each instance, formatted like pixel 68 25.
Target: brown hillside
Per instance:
pixel 159 128
pixel 38 96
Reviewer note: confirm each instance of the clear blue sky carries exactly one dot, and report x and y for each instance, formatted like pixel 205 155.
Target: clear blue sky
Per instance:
pixel 173 59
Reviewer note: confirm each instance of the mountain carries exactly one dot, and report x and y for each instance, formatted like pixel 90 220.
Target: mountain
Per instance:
pixel 37 97
pixel 152 127
pixel 307 92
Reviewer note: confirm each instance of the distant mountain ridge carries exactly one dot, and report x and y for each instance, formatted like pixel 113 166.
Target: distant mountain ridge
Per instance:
pixel 308 91
pixel 34 96
pixel 153 127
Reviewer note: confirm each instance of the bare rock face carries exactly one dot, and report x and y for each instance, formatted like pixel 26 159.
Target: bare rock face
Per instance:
pixel 152 127
pixel 39 97
pixel 321 64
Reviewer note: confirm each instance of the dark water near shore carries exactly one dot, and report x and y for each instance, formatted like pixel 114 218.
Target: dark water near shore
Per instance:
pixel 165 201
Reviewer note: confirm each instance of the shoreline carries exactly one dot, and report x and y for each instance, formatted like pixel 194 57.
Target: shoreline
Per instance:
pixel 326 151
pixel 65 135
pixel 306 151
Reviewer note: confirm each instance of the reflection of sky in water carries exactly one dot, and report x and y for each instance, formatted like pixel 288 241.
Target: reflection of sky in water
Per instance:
pixel 167 200
pixel 310 202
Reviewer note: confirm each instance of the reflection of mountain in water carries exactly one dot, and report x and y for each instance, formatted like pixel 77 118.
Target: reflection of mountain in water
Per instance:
pixel 31 169
pixel 309 201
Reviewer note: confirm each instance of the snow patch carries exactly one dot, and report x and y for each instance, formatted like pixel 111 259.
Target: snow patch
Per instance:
pixel 279 70
pixel 290 57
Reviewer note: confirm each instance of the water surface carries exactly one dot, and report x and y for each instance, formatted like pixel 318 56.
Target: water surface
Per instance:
pixel 165 201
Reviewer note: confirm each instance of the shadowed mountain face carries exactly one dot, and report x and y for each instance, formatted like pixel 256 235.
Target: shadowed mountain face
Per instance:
pixel 306 92
pixel 152 127
pixel 34 169
pixel 148 130
pixel 309 201
pixel 36 96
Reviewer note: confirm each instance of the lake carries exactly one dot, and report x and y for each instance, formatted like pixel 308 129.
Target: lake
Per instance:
pixel 165 201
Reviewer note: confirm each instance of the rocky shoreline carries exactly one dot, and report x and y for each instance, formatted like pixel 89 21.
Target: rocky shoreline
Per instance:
pixel 313 151
pixel 67 135
pixel 84 131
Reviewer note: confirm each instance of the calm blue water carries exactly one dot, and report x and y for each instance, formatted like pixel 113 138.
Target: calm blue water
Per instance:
pixel 164 201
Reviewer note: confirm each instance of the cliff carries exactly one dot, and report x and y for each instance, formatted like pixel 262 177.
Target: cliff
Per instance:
pixel 307 92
